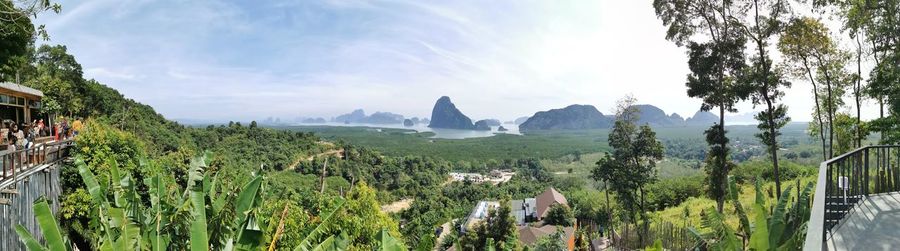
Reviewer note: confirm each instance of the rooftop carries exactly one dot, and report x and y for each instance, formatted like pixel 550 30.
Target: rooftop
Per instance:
pixel 21 89
pixel 547 199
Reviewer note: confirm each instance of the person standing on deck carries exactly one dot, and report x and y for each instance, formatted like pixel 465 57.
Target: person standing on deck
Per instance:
pixel 56 131
pixel 76 126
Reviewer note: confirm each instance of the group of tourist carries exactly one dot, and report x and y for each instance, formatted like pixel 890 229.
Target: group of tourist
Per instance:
pixel 24 137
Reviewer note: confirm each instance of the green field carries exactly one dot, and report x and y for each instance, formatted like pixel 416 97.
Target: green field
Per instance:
pixel 544 145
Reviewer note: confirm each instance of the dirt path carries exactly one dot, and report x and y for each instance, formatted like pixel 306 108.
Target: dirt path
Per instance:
pixel 337 152
pixel 447 226
pixel 397 206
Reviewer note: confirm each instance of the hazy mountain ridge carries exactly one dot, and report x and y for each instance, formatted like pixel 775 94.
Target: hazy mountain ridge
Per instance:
pixel 359 116
pixel 588 117
pixel 570 117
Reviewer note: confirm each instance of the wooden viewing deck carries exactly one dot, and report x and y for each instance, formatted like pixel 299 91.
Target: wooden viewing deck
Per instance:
pixel 26 176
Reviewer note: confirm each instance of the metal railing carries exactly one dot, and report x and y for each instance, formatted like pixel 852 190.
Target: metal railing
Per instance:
pixel 15 162
pixel 845 180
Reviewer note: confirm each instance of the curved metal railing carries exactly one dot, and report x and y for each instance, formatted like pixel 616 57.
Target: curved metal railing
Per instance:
pixel 845 180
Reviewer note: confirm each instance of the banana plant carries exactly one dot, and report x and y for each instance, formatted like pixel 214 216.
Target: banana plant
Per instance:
pixel 126 224
pixel 52 234
pixel 386 242
pixel 783 229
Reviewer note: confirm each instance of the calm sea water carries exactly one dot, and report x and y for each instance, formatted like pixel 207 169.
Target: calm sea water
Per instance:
pixel 439 133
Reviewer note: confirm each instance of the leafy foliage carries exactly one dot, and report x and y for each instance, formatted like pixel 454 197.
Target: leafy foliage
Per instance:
pixel 559 215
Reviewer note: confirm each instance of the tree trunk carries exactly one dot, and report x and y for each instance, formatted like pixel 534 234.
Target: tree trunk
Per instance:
pixel 829 105
pixel 773 144
pixel 857 92
pixel 818 109
pixel 764 92
pixel 720 202
pixel 608 212
pixel 645 226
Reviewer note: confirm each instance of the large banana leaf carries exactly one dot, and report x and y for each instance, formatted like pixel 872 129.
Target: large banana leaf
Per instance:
pixel 386 242
pixel 738 207
pixel 30 243
pixel 98 195
pixel 332 243
pixel 319 231
pixel 247 199
pixel 760 240
pixel 250 235
pixel 158 241
pixel 199 237
pixel 777 222
pixel 129 233
pixel 49 227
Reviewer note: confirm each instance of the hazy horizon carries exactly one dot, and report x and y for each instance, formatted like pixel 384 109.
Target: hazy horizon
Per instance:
pixel 218 61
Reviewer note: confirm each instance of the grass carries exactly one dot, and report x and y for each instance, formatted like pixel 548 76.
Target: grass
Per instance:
pixel 582 166
pixel 747 196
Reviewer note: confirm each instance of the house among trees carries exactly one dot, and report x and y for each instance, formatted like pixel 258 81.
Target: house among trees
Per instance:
pixel 530 215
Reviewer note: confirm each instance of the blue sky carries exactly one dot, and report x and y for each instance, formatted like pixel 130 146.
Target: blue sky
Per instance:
pixel 241 60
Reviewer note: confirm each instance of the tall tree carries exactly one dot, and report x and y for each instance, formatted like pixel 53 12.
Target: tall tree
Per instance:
pixel 765 22
pixel 884 34
pixel 631 165
pixel 58 70
pixel 870 24
pixel 811 53
pixel 716 60
pixel 17 33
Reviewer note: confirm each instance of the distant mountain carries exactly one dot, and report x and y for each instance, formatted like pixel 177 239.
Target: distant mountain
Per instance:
pixel 654 116
pixel 352 117
pixel 521 120
pixel 502 129
pixel 313 121
pixel 570 117
pixel 359 116
pixel 483 125
pixel 702 118
pixel 383 118
pixel 492 122
pixel 408 122
pixel 445 115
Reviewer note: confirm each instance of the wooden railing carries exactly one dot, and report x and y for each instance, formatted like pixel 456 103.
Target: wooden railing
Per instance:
pixel 21 160
pixel 845 180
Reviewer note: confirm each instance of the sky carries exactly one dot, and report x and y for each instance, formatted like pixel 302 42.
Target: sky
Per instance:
pixel 242 60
